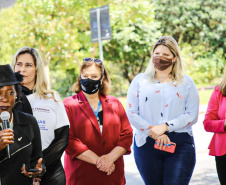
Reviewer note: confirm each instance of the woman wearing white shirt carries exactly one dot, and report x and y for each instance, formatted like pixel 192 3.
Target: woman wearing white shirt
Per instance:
pixel 48 110
pixel 163 104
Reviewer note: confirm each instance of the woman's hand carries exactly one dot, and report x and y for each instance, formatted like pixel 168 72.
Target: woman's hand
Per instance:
pixel 111 170
pixel 106 164
pixel 33 173
pixel 163 139
pixel 6 137
pixel 157 130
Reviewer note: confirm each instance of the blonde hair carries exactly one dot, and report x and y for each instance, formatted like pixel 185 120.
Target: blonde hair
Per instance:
pixel 41 84
pixel 177 71
pixel 104 87
pixel 223 83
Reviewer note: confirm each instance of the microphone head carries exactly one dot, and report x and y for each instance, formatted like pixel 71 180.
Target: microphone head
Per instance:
pixel 5 115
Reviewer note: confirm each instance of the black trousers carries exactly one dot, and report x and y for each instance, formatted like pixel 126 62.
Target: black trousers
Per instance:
pixel 54 175
pixel 221 168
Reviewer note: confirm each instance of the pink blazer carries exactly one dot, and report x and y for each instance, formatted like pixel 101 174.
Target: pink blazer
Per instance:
pixel 214 122
pixel 85 134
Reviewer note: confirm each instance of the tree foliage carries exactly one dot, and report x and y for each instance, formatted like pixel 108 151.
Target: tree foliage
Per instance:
pixel 11 34
pixel 134 31
pixel 200 29
pixel 60 30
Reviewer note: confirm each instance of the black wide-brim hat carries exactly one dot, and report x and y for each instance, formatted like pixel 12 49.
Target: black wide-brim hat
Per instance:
pixel 8 77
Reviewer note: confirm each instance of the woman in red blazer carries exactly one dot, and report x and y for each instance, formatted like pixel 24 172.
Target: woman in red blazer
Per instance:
pixel 100 133
pixel 215 122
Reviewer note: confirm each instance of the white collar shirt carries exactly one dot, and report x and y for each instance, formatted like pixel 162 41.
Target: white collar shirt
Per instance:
pixel 156 103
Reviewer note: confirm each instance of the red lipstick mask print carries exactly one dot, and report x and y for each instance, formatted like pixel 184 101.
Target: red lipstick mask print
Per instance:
pixel 162 63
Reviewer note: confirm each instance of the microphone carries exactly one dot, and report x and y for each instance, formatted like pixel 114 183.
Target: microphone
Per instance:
pixel 5 116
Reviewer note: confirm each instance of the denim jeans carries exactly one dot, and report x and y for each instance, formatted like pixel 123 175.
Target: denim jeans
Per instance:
pixel 162 168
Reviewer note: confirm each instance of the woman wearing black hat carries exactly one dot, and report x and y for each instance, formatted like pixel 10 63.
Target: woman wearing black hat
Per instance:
pixel 20 143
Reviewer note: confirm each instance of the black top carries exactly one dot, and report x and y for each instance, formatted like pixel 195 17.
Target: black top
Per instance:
pixel 53 153
pixel 23 105
pixel 100 115
pixel 26 91
pixel 26 149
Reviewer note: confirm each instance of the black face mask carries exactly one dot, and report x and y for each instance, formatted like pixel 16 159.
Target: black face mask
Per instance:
pixel 90 86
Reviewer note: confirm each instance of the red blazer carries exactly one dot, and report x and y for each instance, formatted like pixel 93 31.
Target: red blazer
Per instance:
pixel 85 134
pixel 214 122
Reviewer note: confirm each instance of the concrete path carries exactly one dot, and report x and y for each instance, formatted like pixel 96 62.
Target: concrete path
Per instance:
pixel 205 170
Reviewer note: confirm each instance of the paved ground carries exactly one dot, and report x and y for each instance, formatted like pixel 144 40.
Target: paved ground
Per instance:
pixel 205 170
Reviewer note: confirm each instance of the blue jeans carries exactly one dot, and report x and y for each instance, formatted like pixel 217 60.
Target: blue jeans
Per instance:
pixel 162 168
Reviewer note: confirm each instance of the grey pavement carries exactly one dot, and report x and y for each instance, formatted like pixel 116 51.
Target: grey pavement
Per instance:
pixel 205 170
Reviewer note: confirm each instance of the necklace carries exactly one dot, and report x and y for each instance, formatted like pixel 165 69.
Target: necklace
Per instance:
pixel 96 112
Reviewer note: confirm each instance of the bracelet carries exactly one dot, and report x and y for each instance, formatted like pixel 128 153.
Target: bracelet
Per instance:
pixel 167 126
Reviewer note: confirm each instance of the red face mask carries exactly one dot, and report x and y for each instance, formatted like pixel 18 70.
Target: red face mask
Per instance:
pixel 162 63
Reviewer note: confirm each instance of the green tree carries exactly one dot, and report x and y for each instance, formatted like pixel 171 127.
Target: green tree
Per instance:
pixel 200 29
pixel 59 29
pixel 134 31
pixel 10 37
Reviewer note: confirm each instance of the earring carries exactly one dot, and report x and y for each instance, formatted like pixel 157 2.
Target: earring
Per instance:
pixel 16 97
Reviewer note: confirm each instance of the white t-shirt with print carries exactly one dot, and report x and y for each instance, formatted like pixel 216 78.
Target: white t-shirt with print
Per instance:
pixel 50 116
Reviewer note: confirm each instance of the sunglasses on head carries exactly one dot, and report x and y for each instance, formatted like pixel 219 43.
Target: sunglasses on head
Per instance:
pixel 98 61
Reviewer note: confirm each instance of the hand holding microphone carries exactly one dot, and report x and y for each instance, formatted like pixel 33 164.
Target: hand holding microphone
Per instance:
pixel 6 135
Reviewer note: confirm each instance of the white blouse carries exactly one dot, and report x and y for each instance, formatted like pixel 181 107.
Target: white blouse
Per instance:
pixel 151 103
pixel 50 116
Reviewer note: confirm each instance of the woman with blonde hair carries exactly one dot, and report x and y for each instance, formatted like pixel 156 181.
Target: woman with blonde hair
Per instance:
pixel 215 122
pixel 47 109
pixel 163 104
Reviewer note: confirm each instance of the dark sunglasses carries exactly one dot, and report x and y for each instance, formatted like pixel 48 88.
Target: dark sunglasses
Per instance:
pixel 98 61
